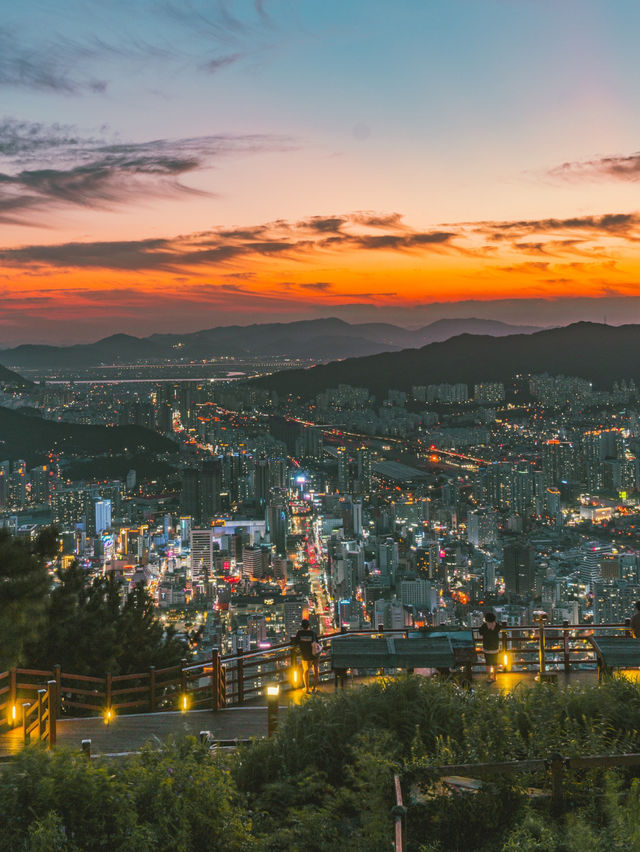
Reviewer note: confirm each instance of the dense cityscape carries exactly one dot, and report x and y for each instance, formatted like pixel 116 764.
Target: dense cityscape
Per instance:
pixel 415 510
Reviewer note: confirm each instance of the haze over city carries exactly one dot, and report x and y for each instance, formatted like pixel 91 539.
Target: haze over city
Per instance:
pixel 176 166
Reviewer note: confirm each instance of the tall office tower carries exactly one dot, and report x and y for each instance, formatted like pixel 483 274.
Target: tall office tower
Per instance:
pixel 102 510
pixel 278 474
pixel 210 487
pixel 344 471
pixel 190 497
pixel 185 529
pixel 255 562
pixel 261 482
pixel 277 522
pixel 518 568
pixel 41 478
pixel 202 551
pixel 558 462
pixel 482 527
pixel 164 417
pixel 363 462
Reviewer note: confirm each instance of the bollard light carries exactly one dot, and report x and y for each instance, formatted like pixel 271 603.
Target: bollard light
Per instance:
pixel 273 693
pixel 108 716
pixel 506 662
pixel 184 703
pixel 14 714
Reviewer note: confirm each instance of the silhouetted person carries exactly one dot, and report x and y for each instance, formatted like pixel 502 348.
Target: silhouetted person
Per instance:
pixel 305 639
pixel 490 633
pixel 635 621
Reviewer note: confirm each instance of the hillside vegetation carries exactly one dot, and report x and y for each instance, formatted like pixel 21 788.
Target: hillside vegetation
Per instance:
pixel 325 780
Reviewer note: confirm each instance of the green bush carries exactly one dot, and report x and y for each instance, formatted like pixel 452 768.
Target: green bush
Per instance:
pixel 325 780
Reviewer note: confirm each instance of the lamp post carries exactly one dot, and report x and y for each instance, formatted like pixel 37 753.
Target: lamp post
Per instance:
pixel 273 694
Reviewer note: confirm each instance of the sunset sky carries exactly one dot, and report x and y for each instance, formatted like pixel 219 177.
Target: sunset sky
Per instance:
pixel 172 165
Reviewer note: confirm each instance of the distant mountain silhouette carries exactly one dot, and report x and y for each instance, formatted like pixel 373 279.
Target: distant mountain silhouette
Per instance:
pixel 597 352
pixel 319 339
pixel 25 436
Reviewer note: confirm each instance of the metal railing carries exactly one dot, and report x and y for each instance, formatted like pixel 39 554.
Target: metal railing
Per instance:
pixel 241 678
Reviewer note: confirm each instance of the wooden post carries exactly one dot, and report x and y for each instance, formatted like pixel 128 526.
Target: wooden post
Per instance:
pixel 399 812
pixel 215 679
pixel 627 628
pixel 183 675
pixel 240 675
pixel 565 646
pixel 53 712
pixel 86 748
pixel 41 724
pixel 57 675
pixel 13 695
pixel 152 689
pixel 25 710
pixel 541 658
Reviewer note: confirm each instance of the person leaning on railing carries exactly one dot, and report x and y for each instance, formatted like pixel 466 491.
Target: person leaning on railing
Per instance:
pixel 307 642
pixel 635 621
pixel 490 633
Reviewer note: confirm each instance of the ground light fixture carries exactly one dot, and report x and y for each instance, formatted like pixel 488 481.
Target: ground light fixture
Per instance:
pixel 273 695
pixel 184 702
pixel 108 716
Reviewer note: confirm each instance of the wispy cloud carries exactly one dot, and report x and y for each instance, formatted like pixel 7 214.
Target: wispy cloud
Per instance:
pixel 615 167
pixel 93 172
pixel 223 246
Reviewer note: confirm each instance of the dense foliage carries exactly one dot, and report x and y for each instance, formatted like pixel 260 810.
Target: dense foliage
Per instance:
pixel 24 591
pixel 325 780
pixel 89 630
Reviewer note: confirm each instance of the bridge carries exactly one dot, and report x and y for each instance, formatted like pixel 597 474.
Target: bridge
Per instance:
pixel 226 695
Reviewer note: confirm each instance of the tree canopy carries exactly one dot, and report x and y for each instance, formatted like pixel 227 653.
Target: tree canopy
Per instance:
pixel 24 592
pixel 92 628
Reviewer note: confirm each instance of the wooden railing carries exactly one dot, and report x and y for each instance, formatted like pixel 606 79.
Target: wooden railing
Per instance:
pixel 242 677
pixel 39 718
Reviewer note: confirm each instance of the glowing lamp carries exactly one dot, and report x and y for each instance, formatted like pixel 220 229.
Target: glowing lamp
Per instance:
pixel 185 702
pixel 273 690
pixel 108 716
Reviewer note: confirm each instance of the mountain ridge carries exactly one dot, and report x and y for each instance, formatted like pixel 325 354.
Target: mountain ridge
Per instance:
pixel 317 339
pixel 593 351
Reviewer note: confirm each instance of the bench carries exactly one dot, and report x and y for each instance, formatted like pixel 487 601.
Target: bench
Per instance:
pixel 616 652
pixel 372 653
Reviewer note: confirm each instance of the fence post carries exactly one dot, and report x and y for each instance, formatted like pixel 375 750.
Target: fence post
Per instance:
pixel 627 628
pixel 215 679
pixel 57 676
pixel 565 646
pixel 25 710
pixel 399 813
pixel 86 748
pixel 53 712
pixel 13 695
pixel 41 695
pixel 152 689
pixel 541 658
pixel 240 674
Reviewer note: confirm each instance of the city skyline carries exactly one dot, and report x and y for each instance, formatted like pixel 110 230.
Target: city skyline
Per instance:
pixel 177 167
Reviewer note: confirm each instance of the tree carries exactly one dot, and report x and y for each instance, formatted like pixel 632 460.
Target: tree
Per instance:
pixel 93 629
pixel 24 592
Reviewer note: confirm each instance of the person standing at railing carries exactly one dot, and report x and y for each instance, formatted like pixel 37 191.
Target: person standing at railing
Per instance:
pixel 307 641
pixel 635 621
pixel 490 633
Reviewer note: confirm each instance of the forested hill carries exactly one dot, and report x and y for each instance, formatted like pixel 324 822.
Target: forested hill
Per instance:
pixel 600 353
pixel 11 379
pixel 30 438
